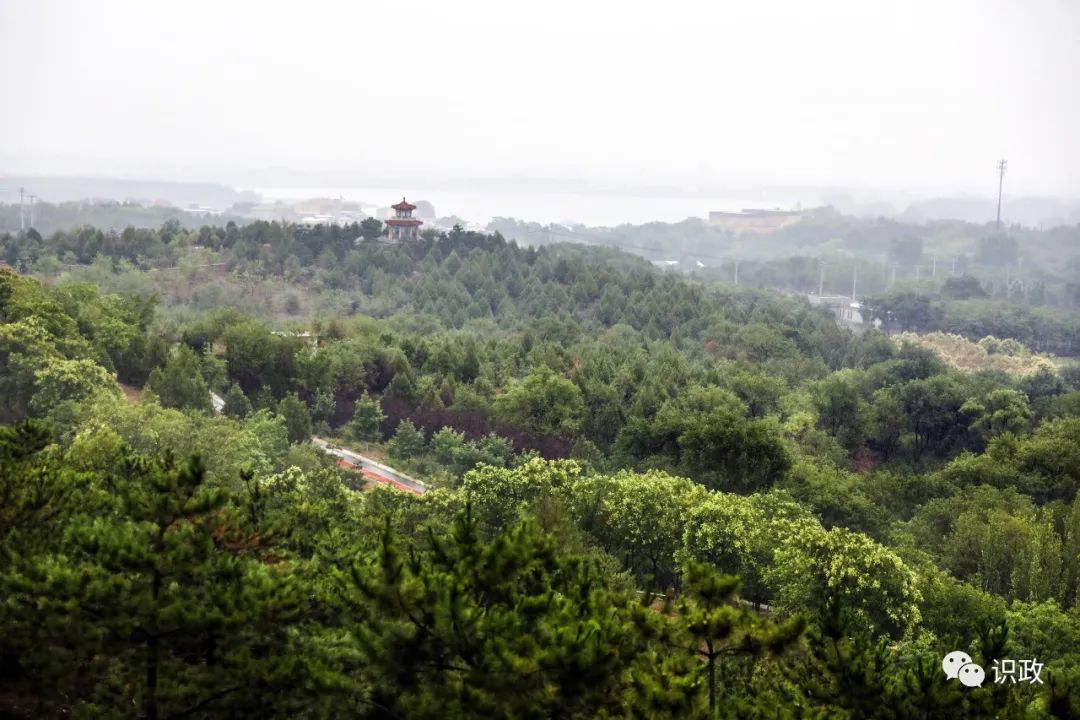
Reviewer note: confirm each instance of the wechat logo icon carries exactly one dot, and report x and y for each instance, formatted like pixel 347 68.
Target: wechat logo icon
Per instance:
pixel 959 666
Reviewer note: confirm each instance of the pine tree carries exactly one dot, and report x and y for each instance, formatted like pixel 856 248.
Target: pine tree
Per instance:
pixel 264 399
pixel 38 495
pixel 408 442
pixel 719 628
pixel 180 383
pixel 297 418
pixel 851 670
pixel 515 627
pixel 324 408
pixel 165 605
pixel 237 404
pixel 366 423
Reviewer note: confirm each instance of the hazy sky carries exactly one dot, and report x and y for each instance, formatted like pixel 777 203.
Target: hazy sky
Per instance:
pixel 918 94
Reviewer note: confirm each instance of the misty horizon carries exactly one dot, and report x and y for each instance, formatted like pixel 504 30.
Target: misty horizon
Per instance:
pixel 919 100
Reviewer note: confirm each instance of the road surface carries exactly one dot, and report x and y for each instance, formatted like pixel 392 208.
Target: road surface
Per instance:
pixel 371 469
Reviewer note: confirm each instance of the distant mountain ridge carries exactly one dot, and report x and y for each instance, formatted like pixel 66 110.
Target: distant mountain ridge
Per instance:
pixel 58 189
pixel 1028 211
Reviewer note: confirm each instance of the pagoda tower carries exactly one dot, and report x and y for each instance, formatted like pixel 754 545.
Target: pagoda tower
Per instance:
pixel 403 226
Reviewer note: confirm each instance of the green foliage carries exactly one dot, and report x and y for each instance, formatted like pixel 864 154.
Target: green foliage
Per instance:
pixel 180 384
pixel 161 602
pixel 813 565
pixel 842 411
pixel 1003 411
pixel 237 404
pixel 931 407
pixel 733 453
pixel 712 442
pixel 324 408
pixel 257 358
pixel 857 676
pixel 962 287
pixel 1019 547
pixel 446 444
pixel 902 310
pixel 407 441
pixel 499 496
pixel 718 629
pixel 638 519
pixel 544 402
pixel 366 423
pixel 452 450
pixel 738 535
pixel 1044 465
pixel 510 627
pixel 61 381
pixel 297 418
pixel 927 500
pixel 259 442
pixel 371 229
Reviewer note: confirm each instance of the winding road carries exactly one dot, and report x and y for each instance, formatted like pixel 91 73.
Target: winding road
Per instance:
pixel 372 469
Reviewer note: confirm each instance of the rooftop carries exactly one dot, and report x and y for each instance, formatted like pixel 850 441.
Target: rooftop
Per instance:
pixel 756 212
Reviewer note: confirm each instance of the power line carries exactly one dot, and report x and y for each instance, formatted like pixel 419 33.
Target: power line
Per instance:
pixel 1001 184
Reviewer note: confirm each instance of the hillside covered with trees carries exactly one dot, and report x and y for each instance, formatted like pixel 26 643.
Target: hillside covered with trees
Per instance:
pixel 652 496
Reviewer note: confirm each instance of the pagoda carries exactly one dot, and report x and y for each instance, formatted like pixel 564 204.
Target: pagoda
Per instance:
pixel 403 226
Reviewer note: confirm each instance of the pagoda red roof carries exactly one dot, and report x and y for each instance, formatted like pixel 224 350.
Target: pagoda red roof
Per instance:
pixel 403 205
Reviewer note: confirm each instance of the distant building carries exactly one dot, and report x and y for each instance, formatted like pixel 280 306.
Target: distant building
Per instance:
pixel 403 226
pixel 271 211
pixel 313 220
pixel 754 220
pixel 841 306
pixel 196 209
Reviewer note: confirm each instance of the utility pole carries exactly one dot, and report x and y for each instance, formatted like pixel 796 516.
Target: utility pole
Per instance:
pixel 933 260
pixel 33 201
pixel 821 280
pixel 918 273
pixel 953 265
pixel 1001 184
pixel 1008 269
pixel 736 271
pixel 893 275
pixel 22 214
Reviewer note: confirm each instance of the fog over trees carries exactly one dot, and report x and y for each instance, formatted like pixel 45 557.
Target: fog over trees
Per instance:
pixel 695 374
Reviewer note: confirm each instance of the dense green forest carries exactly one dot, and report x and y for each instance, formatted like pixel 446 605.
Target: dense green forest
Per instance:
pixel 653 495
pixel 836 253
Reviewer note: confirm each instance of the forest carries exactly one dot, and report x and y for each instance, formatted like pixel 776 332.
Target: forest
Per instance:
pixel 651 494
pixel 832 253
